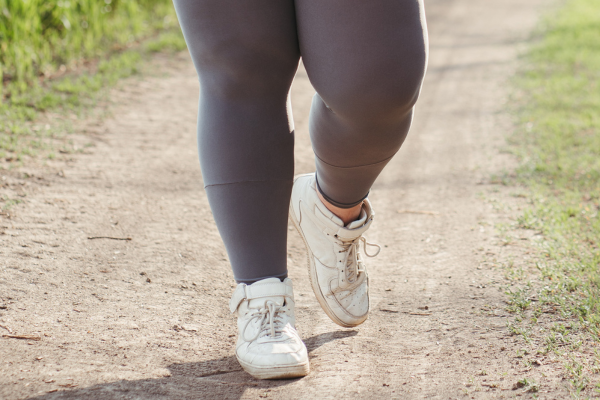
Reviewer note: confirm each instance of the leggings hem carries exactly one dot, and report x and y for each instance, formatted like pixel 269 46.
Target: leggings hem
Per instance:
pixel 337 203
pixel 251 281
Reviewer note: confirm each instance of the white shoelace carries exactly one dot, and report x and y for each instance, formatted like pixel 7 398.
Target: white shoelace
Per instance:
pixel 269 320
pixel 351 248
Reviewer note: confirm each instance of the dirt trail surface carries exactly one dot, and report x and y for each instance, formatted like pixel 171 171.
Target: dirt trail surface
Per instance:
pixel 147 318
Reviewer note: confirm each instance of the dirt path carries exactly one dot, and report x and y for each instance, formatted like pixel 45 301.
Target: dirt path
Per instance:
pixel 147 318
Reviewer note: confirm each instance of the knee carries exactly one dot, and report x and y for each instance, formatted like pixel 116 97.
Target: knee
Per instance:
pixel 379 99
pixel 244 73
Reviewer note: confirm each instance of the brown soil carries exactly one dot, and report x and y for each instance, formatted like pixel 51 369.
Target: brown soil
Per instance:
pixel 147 318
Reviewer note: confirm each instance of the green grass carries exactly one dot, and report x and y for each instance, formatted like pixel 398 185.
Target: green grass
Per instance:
pixel 39 38
pixel 59 57
pixel 558 141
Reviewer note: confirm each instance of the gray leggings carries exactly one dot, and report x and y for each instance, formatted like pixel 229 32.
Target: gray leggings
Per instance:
pixel 366 60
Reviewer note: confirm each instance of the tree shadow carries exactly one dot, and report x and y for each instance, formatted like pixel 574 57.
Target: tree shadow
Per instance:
pixel 221 378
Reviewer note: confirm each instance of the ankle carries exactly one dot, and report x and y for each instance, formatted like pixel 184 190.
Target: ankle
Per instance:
pixel 347 215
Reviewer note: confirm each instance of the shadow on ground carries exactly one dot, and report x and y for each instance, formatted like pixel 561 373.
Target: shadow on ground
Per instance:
pixel 220 378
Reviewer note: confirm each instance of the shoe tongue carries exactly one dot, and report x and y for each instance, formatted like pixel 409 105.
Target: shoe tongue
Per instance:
pixel 359 222
pixel 260 302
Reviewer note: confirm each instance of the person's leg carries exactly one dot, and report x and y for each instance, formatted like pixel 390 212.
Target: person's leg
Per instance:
pixel 246 54
pixel 366 60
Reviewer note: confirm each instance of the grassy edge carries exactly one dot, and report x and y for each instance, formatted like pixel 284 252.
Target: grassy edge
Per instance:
pixel 555 296
pixel 35 125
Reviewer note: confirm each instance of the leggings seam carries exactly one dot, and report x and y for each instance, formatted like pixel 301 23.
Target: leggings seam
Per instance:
pixel 249 181
pixel 357 166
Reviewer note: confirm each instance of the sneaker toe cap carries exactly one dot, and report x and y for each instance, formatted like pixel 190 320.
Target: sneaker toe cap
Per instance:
pixel 276 354
pixel 351 307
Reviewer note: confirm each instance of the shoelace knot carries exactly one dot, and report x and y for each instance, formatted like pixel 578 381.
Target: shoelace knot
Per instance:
pixel 268 318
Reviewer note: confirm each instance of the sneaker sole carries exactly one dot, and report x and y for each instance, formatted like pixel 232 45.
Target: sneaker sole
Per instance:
pixel 312 274
pixel 279 372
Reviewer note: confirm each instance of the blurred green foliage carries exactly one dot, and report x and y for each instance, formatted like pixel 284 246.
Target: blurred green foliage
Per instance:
pixel 40 37
pixel 57 57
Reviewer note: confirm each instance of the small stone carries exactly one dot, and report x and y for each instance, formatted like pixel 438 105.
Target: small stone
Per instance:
pixel 191 328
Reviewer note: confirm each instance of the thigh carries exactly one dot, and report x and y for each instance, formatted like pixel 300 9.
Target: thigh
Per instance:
pixel 362 48
pixel 240 41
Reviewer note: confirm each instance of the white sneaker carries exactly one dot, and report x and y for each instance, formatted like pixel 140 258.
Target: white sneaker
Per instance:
pixel 337 272
pixel 268 345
